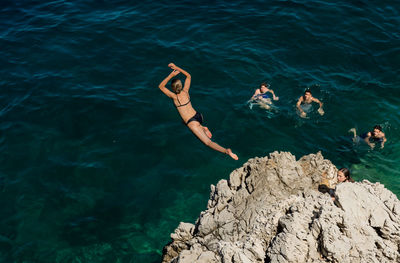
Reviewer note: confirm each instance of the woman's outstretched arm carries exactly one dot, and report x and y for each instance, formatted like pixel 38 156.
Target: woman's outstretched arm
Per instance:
pixel 184 72
pixel 162 87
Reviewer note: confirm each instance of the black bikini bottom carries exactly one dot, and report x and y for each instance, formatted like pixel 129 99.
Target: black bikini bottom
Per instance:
pixel 197 117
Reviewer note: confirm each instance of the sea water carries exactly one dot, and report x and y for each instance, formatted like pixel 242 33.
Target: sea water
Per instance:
pixel 96 165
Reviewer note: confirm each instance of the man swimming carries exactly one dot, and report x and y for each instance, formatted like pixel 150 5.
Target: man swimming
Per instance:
pixel 304 103
pixel 262 96
pixel 192 119
pixel 372 137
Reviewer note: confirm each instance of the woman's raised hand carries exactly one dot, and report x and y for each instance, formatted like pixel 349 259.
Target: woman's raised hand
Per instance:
pixel 172 65
pixel 174 72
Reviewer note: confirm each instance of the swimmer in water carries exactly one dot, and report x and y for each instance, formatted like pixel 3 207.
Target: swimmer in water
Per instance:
pixel 262 97
pixel 306 101
pixel 372 137
pixel 192 119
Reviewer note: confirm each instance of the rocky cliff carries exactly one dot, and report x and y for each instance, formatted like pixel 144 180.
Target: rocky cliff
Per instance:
pixel 273 209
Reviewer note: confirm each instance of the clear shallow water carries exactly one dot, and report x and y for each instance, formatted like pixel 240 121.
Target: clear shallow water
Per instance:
pixel 96 165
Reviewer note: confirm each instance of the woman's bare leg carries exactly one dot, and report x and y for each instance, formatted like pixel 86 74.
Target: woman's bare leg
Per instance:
pixel 265 103
pixel 207 132
pixel 200 133
pixel 264 106
pixel 353 130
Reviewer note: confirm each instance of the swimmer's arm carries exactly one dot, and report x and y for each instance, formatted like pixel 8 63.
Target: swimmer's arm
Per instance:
pixel 366 139
pixel 162 87
pixel 184 72
pixel 298 104
pixel 383 142
pixel 302 113
pixel 273 94
pixel 318 101
pixel 255 94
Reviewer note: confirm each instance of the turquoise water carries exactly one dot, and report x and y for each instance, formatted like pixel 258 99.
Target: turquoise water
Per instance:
pixel 96 165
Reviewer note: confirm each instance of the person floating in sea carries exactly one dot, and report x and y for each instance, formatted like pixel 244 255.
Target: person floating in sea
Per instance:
pixel 192 119
pixel 372 137
pixel 304 104
pixel 262 96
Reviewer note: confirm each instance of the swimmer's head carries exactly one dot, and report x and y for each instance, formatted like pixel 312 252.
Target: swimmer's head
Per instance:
pixel 377 129
pixel 307 94
pixel 176 85
pixel 264 85
pixel 343 175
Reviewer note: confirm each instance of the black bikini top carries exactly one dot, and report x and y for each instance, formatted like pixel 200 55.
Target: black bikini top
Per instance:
pixel 180 104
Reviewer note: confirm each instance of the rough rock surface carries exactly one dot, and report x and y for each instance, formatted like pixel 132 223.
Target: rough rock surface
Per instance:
pixel 270 210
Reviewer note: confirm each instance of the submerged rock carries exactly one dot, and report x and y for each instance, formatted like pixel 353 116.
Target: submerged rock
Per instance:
pixel 270 210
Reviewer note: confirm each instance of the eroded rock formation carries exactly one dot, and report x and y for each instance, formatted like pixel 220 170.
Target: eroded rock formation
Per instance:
pixel 273 210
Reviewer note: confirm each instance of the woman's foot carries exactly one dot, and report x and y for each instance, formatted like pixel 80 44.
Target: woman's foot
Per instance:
pixel 207 132
pixel 231 154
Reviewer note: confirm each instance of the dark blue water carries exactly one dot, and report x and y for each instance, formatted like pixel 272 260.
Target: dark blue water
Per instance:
pixel 96 165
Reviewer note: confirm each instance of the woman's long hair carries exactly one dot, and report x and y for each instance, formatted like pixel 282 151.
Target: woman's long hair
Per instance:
pixel 346 173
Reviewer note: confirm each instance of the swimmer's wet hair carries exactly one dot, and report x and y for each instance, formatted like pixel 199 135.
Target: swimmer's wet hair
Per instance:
pixel 378 127
pixel 307 90
pixel 264 84
pixel 176 85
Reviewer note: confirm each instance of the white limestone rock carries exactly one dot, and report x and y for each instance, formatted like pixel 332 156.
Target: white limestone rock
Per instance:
pixel 270 210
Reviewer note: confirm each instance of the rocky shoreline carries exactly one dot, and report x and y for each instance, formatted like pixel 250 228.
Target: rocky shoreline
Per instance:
pixel 274 209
